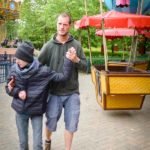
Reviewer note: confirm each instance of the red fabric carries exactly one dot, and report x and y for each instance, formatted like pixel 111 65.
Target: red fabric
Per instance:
pixel 116 33
pixel 83 23
pixel 145 33
pixel 122 3
pixel 114 19
pixel 121 32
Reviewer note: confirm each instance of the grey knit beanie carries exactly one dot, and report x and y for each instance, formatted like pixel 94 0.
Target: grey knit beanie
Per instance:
pixel 25 52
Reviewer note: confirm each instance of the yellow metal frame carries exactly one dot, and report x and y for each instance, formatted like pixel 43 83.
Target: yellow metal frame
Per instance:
pixel 120 90
pixel 137 64
pixel 121 102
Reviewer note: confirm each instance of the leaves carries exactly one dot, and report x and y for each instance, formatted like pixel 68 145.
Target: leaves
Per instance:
pixel 38 18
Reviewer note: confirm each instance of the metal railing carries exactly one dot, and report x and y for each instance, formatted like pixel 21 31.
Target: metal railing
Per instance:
pixel 5 64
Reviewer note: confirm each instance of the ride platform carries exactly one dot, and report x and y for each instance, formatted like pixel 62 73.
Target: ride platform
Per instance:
pixel 121 87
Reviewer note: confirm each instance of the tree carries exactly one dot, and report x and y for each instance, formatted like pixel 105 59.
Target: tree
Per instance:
pixel 38 18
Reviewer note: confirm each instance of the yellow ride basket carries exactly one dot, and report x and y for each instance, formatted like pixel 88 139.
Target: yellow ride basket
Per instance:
pixel 121 87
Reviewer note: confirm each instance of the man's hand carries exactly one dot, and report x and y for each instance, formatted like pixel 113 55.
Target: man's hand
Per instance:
pixel 11 84
pixel 71 54
pixel 22 95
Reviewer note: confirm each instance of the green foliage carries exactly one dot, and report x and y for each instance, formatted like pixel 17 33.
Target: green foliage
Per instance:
pixel 11 29
pixel 38 19
pixel 38 23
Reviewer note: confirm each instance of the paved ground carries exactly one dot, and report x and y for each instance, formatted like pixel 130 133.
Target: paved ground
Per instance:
pixel 98 129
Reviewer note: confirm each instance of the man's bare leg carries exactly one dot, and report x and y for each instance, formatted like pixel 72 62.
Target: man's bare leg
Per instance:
pixel 68 139
pixel 48 135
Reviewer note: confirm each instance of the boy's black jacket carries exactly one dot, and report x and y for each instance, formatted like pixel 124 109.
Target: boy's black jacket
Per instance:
pixel 34 80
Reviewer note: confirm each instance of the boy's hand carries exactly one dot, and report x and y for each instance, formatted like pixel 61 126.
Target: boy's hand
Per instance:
pixel 11 84
pixel 22 95
pixel 71 54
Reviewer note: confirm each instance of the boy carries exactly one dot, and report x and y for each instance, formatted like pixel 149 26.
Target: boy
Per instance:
pixel 30 92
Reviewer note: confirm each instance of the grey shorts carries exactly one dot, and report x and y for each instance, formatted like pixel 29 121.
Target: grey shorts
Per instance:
pixel 71 105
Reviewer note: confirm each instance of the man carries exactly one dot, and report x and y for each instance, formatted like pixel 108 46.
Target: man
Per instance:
pixel 64 94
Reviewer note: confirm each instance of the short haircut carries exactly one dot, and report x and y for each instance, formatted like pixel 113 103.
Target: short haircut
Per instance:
pixel 65 15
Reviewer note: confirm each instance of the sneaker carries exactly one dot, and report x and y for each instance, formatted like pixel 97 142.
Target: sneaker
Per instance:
pixel 47 145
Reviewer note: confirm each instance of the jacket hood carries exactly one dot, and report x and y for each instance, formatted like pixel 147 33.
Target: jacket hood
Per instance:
pixel 57 42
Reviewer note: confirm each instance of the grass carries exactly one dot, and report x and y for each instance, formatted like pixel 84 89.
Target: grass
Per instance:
pixel 98 57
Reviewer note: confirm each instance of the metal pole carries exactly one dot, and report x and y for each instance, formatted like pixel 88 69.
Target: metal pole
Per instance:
pixel 104 38
pixel 88 31
pixel 135 38
pixel 140 8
